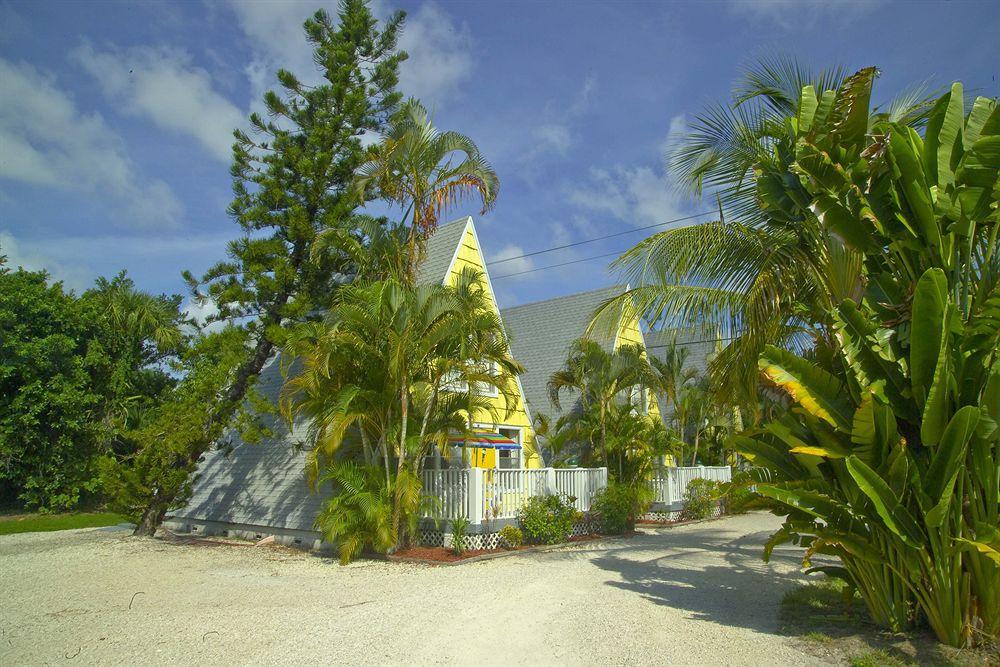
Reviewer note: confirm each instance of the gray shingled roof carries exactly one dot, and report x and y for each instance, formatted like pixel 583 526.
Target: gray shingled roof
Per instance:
pixel 440 251
pixel 695 341
pixel 541 334
pixel 264 484
pixel 260 484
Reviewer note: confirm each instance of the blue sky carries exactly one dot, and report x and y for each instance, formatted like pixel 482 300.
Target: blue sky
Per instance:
pixel 115 118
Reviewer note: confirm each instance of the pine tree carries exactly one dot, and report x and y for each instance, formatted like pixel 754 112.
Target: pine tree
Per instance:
pixel 291 181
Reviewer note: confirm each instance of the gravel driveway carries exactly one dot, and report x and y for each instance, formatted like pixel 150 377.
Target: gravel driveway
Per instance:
pixel 696 594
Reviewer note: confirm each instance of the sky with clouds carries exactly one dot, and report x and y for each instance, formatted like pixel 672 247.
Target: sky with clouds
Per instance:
pixel 116 117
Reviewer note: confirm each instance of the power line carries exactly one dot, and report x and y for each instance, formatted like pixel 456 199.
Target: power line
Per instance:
pixel 555 266
pixel 596 238
pixel 693 342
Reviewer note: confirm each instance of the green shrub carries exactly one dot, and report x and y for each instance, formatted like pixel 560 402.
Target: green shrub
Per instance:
pixel 547 519
pixel 459 528
pixel 700 499
pixel 511 536
pixel 737 497
pixel 616 507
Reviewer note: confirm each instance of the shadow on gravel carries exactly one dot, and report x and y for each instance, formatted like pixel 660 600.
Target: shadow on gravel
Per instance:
pixel 710 572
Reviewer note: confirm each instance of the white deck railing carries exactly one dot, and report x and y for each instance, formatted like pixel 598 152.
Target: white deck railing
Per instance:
pixel 486 494
pixel 669 484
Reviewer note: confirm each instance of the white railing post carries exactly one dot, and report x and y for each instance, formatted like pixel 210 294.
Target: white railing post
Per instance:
pixel 550 482
pixel 476 496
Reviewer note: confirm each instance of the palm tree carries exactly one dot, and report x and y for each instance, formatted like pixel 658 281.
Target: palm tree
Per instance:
pixel 415 167
pixel 141 332
pixel 401 366
pixel 670 373
pixel 756 274
pixel 374 246
pixel 601 378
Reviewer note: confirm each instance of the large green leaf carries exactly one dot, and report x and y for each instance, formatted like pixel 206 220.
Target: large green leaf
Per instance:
pixel 867 358
pixel 927 328
pixel 906 151
pixel 939 479
pixel 943 138
pixel 987 541
pixel 842 221
pixel 817 391
pixel 938 405
pixel 851 109
pixel 768 456
pixel 818 505
pixel 807 108
pixel 892 512
pixel 873 430
pixel 982 109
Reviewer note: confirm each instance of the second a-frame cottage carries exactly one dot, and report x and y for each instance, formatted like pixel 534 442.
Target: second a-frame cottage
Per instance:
pixel 542 333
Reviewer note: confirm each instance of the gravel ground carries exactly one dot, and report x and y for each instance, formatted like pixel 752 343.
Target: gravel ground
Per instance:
pixel 696 594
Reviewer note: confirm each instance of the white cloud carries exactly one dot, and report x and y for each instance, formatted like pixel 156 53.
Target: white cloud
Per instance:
pixel 200 312
pixel 276 36
pixel 164 86
pixel 440 55
pixel 48 142
pixel 439 48
pixel 638 195
pixel 514 263
pixel 554 136
pixel 678 129
pixel 803 13
pixel 78 260
pixel 32 259
pixel 584 97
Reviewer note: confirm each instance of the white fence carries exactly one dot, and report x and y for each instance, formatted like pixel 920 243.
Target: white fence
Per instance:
pixel 669 484
pixel 486 494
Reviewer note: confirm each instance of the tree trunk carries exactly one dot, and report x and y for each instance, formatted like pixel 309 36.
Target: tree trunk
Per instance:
pixel 153 515
pixel 423 431
pixel 697 436
pixel 604 435
pixel 151 518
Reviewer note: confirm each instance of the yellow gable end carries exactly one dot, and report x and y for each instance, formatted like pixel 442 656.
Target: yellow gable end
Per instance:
pixel 510 409
pixel 630 334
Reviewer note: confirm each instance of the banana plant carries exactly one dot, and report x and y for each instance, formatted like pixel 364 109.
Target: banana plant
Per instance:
pixel 890 457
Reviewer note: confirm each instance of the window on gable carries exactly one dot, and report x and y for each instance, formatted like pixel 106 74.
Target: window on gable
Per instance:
pixel 454 382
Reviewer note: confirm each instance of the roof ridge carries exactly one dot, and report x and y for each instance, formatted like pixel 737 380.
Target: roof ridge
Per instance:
pixel 565 296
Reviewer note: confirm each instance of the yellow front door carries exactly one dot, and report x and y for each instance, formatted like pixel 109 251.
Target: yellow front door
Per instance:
pixel 483 458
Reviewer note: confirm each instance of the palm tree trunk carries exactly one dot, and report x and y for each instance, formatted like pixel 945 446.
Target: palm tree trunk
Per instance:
pixel 423 428
pixel 697 435
pixel 604 434
pixel 404 407
pixel 366 447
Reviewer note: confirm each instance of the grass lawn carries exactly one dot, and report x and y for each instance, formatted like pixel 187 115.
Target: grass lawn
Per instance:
pixel 36 523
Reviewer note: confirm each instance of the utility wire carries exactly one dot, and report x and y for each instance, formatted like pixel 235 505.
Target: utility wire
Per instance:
pixel 596 238
pixel 693 342
pixel 554 266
